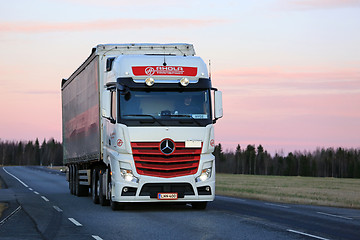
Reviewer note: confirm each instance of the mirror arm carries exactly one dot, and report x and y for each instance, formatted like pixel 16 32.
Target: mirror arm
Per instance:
pixel 113 121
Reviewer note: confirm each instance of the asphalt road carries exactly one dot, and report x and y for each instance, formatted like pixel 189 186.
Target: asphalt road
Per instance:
pixel 41 207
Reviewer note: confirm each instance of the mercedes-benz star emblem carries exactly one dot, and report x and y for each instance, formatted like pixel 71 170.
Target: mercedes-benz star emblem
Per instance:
pixel 167 146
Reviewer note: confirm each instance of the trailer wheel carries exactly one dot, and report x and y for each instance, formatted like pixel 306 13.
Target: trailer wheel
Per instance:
pixel 80 190
pixel 76 181
pixel 70 180
pixel 102 197
pixel 95 186
pixel 199 205
pixel 68 173
pixel 73 182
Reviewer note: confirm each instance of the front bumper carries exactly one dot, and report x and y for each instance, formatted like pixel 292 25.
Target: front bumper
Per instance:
pixel 148 189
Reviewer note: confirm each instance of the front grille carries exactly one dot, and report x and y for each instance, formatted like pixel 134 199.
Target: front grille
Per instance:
pixel 150 161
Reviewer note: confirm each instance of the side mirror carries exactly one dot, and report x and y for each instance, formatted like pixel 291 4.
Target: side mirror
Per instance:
pixel 218 108
pixel 107 109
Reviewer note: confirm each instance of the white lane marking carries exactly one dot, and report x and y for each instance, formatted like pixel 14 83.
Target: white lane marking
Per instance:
pixel 57 208
pixel 96 237
pixel 332 215
pixel 16 178
pixel 306 234
pixel 36 192
pixel 45 199
pixel 30 189
pixel 276 205
pixel 75 222
pixel 11 214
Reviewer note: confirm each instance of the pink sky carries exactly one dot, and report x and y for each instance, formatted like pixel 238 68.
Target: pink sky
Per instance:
pixel 289 70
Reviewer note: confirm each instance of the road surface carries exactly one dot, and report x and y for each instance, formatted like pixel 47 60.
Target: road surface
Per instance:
pixel 41 207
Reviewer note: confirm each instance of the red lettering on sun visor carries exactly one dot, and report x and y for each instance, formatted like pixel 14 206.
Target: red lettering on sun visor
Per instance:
pixel 164 70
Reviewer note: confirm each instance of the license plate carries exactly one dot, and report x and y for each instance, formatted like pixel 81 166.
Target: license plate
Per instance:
pixel 167 196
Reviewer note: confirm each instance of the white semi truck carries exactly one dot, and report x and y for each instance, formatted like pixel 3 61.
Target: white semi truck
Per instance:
pixel 138 125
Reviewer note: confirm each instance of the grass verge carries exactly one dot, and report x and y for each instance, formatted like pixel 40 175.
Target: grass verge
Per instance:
pixel 3 206
pixel 59 168
pixel 335 192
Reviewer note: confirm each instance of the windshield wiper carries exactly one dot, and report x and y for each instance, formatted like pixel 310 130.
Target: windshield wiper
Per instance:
pixel 144 115
pixel 185 115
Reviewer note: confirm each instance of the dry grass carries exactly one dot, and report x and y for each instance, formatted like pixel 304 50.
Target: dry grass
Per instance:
pixel 3 206
pixel 59 168
pixel 300 190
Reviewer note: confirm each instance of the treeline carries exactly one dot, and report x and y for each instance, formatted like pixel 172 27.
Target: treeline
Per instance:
pixel 330 162
pixel 31 153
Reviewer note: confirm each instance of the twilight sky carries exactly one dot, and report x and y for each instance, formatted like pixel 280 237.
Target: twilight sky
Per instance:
pixel 289 69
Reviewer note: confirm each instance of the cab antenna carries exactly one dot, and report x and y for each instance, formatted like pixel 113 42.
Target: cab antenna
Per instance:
pixel 209 68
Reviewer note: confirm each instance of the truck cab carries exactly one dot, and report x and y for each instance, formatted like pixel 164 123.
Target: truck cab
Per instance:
pixel 157 110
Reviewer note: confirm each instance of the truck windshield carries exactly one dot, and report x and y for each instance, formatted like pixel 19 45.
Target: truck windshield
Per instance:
pixel 165 107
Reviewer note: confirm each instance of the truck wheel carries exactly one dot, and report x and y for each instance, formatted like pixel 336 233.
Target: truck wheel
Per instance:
pixel 80 190
pixel 95 186
pixel 73 180
pixel 199 205
pixel 115 206
pixel 102 197
pixel 68 177
pixel 76 181
pixel 71 186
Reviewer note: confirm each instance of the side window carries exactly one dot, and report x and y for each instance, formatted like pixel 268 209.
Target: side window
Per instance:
pixel 113 105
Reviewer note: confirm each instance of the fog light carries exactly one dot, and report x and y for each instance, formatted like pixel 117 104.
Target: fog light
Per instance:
pixel 205 175
pixel 184 82
pixel 128 176
pixel 207 189
pixel 125 189
pixel 149 81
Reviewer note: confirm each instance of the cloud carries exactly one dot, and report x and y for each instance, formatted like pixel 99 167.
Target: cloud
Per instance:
pixel 115 24
pixel 41 92
pixel 126 3
pixel 335 79
pixel 317 4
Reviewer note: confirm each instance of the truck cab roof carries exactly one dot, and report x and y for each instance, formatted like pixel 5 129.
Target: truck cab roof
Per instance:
pixel 177 49
pixel 159 67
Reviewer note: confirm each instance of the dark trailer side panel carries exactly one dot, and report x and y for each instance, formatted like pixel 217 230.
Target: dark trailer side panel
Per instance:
pixel 81 113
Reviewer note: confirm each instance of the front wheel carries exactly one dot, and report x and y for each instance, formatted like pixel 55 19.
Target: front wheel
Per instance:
pixel 115 206
pixel 102 195
pixel 95 186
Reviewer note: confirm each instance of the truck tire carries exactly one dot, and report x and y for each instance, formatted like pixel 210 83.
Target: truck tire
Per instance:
pixel 71 186
pixel 95 186
pixel 115 206
pixel 68 177
pixel 80 190
pixel 73 180
pixel 102 196
pixel 199 205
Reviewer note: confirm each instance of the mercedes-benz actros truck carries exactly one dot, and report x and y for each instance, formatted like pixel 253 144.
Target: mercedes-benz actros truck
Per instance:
pixel 137 125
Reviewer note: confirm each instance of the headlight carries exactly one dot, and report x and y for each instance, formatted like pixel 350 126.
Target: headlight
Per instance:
pixel 128 176
pixel 184 82
pixel 205 175
pixel 149 81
